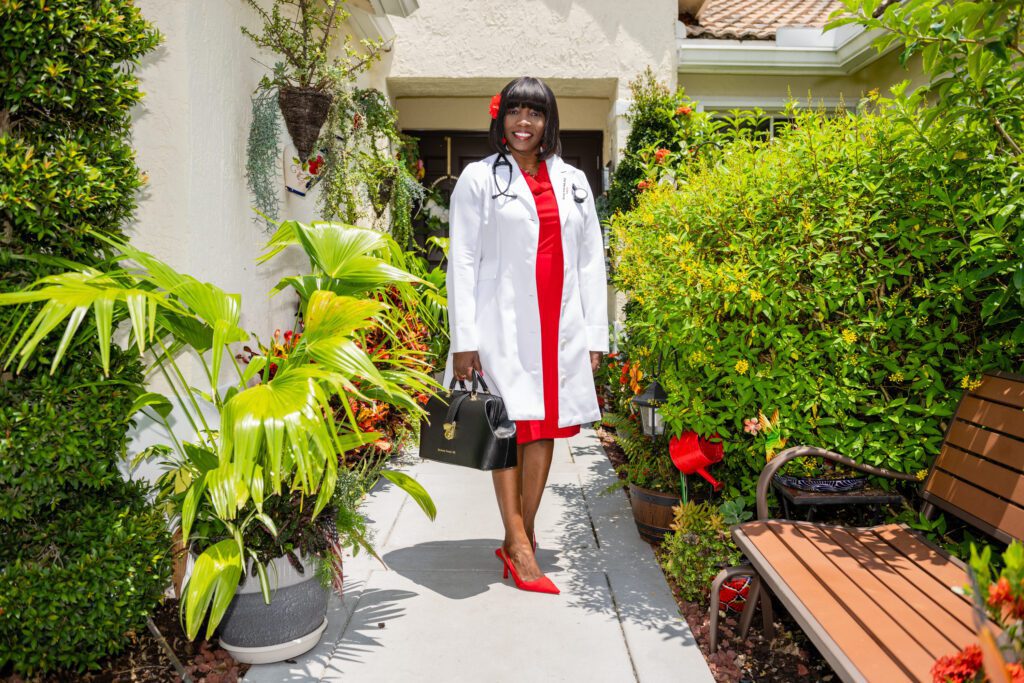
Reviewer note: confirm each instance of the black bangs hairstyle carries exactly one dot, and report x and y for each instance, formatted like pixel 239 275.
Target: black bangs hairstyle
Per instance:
pixel 535 94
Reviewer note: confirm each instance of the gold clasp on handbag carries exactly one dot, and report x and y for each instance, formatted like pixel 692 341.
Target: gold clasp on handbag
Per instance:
pixel 449 430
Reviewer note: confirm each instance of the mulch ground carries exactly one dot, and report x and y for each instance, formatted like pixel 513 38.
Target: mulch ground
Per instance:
pixel 145 660
pixel 789 657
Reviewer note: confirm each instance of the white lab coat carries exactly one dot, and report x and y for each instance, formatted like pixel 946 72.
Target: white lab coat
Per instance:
pixel 492 289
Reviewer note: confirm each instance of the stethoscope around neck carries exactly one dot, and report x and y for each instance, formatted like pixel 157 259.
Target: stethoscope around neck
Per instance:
pixel 579 194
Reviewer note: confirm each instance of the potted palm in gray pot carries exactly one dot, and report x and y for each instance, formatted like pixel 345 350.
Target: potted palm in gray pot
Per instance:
pixel 258 490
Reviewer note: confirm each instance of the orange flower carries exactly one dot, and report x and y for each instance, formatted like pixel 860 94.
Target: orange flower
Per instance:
pixel 643 185
pixel 1000 594
pixel 961 667
pixel 659 156
pixel 684 110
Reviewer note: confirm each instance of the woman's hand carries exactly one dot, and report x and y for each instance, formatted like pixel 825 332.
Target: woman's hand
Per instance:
pixel 463 362
pixel 595 360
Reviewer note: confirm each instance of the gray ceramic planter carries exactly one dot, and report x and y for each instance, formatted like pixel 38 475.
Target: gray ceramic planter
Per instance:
pixel 257 633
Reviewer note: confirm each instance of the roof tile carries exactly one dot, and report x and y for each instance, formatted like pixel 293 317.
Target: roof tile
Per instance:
pixel 758 19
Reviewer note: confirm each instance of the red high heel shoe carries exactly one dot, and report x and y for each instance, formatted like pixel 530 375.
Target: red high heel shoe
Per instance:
pixel 541 585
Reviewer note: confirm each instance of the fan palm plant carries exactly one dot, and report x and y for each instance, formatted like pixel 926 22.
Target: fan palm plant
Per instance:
pixel 277 443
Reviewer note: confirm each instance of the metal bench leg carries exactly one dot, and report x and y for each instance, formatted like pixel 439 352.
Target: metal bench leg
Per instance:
pixel 716 586
pixel 753 598
pixel 767 617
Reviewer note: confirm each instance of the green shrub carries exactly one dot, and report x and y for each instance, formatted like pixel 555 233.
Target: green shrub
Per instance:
pixel 971 104
pixel 84 556
pixel 79 580
pixel 62 436
pixel 829 274
pixel 698 547
pixel 654 122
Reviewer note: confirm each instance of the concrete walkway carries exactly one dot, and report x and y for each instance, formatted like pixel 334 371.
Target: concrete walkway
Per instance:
pixel 441 611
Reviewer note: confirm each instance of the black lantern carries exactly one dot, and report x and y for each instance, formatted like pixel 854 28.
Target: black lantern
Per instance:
pixel 647 403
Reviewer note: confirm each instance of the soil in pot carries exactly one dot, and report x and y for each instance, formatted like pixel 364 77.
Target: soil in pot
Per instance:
pixel 304 111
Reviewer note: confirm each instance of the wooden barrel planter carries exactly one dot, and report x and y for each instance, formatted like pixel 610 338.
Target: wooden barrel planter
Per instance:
pixel 652 511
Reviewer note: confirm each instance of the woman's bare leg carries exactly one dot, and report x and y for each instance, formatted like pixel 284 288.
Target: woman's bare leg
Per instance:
pixel 536 465
pixel 508 488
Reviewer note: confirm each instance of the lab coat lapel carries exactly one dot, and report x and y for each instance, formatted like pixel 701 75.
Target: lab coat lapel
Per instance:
pixel 561 185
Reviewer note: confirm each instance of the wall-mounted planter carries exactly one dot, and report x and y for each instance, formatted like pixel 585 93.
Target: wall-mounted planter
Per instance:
pixel 304 111
pixel 257 633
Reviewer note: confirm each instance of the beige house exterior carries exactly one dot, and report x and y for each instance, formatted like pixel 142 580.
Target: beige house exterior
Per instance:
pixel 446 59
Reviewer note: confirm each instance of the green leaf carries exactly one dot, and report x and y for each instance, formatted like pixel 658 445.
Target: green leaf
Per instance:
pixel 158 402
pixel 414 489
pixel 211 586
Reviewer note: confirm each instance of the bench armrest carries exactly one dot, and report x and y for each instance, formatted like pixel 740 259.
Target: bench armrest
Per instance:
pixel 773 466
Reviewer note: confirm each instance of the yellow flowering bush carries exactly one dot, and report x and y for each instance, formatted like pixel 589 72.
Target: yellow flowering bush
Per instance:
pixel 828 273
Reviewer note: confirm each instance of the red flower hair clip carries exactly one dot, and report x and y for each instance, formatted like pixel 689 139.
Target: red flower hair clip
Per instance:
pixel 495 105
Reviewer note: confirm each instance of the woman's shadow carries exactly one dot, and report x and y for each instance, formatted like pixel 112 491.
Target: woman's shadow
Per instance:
pixel 458 569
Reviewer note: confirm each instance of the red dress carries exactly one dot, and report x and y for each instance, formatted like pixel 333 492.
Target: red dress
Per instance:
pixel 549 300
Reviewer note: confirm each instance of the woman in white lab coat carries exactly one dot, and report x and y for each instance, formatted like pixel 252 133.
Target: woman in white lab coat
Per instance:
pixel 527 300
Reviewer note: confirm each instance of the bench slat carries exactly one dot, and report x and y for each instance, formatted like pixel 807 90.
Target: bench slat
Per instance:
pixel 946 573
pixel 982 504
pixel 994 446
pixel 1001 389
pixel 985 475
pixel 876 599
pixel 947 616
pixel 867 640
pixel 890 626
pixel 992 415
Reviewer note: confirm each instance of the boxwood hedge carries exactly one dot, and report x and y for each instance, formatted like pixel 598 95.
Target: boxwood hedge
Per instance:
pixel 83 556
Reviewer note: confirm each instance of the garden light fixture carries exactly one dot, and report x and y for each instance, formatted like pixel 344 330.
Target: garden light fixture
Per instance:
pixel 647 403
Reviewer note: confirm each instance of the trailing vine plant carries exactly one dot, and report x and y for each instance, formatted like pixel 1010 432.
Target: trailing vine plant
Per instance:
pixel 367 176
pixel 263 153
pixel 368 165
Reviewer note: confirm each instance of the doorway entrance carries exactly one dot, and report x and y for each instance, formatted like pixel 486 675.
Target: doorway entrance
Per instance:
pixel 445 153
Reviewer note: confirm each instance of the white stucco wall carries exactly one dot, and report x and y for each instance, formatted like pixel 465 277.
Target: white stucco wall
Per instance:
pixel 585 49
pixel 190 134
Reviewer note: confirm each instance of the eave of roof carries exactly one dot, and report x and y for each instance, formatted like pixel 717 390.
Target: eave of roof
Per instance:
pixel 809 51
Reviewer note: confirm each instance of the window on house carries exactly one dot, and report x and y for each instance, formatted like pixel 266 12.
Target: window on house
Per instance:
pixel 767 126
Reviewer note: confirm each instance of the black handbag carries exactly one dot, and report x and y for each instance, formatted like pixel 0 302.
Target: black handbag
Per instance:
pixel 470 428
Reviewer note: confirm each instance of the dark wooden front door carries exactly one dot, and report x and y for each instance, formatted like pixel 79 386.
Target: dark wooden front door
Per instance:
pixel 581 149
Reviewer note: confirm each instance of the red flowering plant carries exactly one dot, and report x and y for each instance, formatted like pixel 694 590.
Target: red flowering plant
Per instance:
pixel 1003 598
pixel 397 348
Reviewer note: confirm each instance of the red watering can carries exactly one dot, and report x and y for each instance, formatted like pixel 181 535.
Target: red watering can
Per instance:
pixel 691 454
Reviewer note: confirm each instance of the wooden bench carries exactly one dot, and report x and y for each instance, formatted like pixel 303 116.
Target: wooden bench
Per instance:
pixel 877 602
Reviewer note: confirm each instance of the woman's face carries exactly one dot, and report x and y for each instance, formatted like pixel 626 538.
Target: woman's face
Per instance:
pixel 524 129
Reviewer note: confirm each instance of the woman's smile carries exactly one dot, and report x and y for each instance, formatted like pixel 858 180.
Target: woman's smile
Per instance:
pixel 524 130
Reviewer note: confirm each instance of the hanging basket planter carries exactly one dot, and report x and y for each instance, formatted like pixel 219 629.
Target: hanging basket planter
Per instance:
pixel 304 111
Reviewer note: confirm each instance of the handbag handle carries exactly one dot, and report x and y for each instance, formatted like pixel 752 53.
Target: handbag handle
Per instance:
pixel 462 382
pixel 453 407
